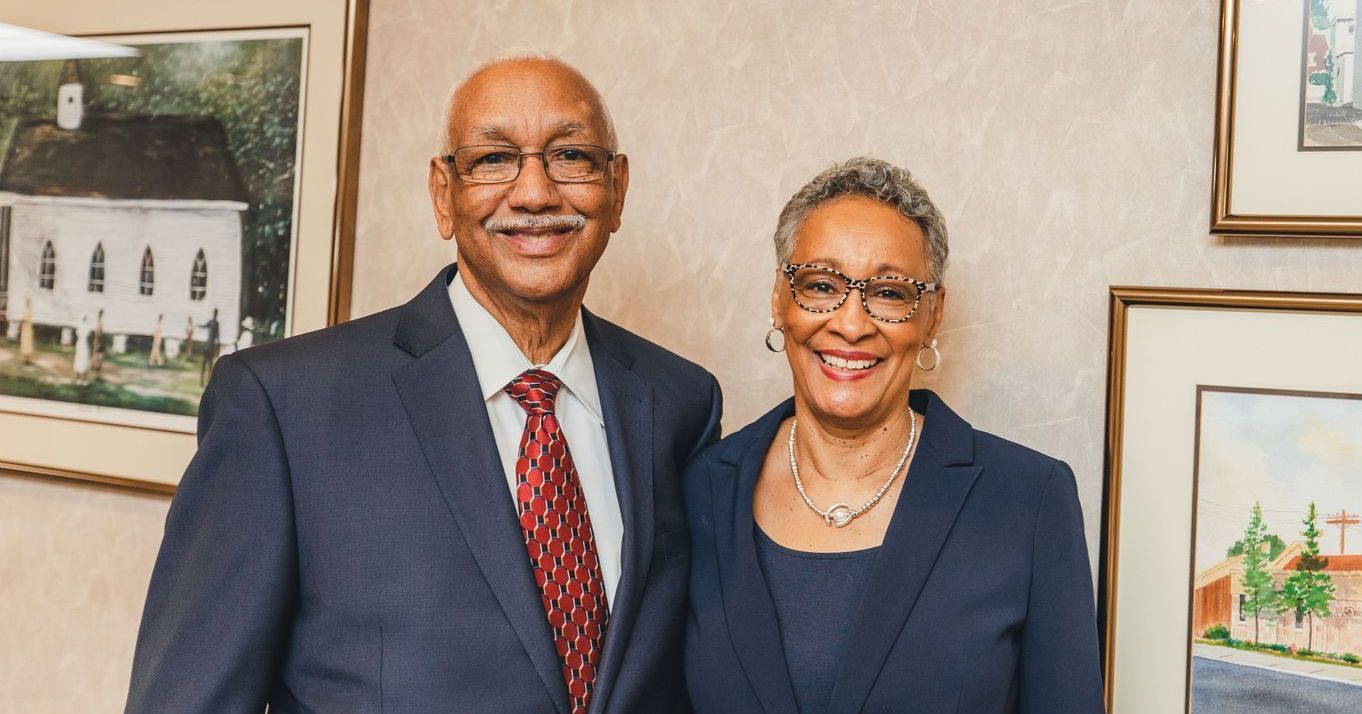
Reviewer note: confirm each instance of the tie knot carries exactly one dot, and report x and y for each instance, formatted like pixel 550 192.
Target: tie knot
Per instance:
pixel 535 390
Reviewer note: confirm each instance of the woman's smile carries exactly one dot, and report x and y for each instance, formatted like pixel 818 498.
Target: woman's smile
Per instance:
pixel 846 365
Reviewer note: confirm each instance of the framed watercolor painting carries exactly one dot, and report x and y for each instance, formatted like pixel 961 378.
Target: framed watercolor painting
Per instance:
pixel 1288 139
pixel 160 210
pixel 1231 574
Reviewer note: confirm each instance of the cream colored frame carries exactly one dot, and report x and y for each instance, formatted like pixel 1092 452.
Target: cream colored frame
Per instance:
pixel 151 459
pixel 1316 357
pixel 1223 219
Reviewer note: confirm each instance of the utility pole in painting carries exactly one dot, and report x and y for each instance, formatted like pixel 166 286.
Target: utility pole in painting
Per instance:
pixel 1342 519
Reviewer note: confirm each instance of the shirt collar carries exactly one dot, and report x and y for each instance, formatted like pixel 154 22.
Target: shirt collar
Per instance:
pixel 497 360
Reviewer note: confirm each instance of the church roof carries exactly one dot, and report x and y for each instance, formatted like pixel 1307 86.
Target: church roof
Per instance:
pixel 123 157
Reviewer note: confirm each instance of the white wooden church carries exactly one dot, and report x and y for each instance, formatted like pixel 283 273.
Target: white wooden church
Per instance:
pixel 138 216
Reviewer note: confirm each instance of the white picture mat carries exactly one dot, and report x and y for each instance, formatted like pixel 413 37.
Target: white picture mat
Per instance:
pixel 1269 175
pixel 148 454
pixel 1168 352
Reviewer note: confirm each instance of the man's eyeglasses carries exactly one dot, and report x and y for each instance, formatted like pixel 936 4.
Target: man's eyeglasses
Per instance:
pixel 887 298
pixel 573 163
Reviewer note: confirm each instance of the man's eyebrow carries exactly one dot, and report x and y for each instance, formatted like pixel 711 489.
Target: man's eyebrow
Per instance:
pixel 562 129
pixel 491 133
pixel 568 128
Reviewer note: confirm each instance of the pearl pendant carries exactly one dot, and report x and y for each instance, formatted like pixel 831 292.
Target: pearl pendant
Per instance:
pixel 839 515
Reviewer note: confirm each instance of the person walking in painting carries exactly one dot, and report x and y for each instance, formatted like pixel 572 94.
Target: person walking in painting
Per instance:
pixel 156 358
pixel 81 364
pixel 26 332
pixel 97 346
pixel 210 347
pixel 246 337
pixel 188 351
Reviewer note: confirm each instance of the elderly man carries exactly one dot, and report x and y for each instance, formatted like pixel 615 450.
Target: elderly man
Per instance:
pixel 467 503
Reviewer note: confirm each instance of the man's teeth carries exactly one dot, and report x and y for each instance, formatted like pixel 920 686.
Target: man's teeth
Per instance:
pixel 840 363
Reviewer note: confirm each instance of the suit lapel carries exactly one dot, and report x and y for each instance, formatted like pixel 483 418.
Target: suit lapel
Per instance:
pixel 440 393
pixel 750 611
pixel 934 490
pixel 627 407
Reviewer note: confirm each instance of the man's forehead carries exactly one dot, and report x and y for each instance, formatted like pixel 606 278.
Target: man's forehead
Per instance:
pixel 542 97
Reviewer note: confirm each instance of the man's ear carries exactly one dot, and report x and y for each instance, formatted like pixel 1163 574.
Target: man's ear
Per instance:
pixel 440 199
pixel 621 183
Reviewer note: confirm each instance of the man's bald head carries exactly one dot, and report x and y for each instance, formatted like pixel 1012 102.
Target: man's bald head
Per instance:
pixel 505 73
pixel 527 244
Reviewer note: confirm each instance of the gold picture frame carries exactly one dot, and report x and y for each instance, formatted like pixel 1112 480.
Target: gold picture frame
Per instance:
pixel 1165 346
pixel 151 457
pixel 1266 182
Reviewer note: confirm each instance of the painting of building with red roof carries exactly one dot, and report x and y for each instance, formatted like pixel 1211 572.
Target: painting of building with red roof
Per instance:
pixel 1274 620
pixel 1219 598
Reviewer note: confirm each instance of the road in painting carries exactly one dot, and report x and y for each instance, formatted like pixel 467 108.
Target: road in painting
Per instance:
pixel 1277 589
pixel 1331 97
pixel 1234 689
pixel 147 212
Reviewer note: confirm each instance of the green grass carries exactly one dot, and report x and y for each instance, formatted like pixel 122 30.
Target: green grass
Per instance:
pixel 1323 658
pixel 98 393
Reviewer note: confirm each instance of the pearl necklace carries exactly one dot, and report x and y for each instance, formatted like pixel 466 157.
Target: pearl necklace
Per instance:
pixel 840 514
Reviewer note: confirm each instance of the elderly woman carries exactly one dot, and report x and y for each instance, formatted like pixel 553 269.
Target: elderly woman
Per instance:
pixel 862 547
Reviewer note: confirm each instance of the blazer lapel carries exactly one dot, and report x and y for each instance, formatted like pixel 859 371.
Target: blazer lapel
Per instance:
pixel 627 407
pixel 747 599
pixel 934 490
pixel 443 401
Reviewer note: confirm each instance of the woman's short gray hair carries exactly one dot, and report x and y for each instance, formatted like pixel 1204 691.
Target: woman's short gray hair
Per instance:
pixel 879 181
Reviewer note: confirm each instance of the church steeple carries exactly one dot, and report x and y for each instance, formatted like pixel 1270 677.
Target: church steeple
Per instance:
pixel 70 98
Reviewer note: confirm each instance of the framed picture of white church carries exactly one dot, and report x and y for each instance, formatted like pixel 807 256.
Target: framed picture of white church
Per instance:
pixel 147 207
pixel 155 215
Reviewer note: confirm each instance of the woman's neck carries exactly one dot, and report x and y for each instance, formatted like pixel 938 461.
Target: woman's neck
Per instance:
pixel 846 453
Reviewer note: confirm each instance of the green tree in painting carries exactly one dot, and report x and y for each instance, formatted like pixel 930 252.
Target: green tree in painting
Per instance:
pixel 1309 591
pixel 1259 594
pixel 1275 546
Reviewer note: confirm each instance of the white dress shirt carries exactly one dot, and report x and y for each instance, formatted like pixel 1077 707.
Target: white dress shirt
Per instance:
pixel 498 360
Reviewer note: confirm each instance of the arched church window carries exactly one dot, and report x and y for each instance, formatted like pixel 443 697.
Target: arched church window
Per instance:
pixel 147 284
pixel 198 278
pixel 47 269
pixel 96 284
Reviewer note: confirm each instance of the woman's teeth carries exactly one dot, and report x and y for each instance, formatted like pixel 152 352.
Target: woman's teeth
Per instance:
pixel 839 363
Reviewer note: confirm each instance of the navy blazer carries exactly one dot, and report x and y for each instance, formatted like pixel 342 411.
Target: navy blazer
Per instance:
pixel 980 600
pixel 344 540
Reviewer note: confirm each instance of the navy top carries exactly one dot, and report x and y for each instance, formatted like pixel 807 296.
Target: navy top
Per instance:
pixel 816 597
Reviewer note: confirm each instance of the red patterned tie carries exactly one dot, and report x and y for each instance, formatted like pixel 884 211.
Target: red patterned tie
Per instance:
pixel 558 536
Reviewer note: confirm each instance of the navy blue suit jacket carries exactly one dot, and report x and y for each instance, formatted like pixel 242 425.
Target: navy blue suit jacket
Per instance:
pixel 980 601
pixel 344 540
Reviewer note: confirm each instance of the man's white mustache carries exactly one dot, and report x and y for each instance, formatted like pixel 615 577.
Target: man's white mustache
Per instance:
pixel 518 224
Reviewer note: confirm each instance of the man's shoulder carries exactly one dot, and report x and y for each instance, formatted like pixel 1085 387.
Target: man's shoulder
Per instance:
pixel 342 347
pixel 649 357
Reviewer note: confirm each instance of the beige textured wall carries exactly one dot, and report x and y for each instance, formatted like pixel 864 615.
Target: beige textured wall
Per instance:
pixel 1068 142
pixel 74 564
